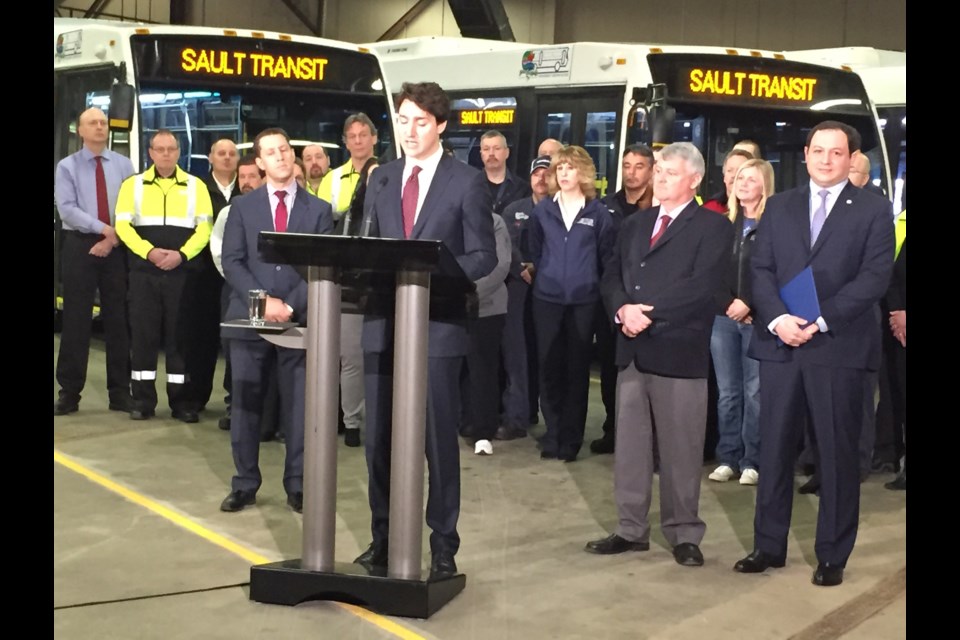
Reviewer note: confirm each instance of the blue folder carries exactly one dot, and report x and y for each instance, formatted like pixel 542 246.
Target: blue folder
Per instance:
pixel 800 296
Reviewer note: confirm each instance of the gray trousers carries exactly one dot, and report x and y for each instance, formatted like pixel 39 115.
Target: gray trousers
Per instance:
pixel 678 406
pixel 351 370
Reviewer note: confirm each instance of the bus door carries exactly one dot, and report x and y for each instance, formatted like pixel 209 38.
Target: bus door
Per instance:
pixel 591 121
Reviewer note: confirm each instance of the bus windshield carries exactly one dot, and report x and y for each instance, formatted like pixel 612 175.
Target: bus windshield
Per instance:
pixel 204 89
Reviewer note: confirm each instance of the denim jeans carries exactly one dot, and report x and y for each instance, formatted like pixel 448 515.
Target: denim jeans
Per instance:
pixel 738 383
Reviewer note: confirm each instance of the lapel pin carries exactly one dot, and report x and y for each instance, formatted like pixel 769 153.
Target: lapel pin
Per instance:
pixel 849 201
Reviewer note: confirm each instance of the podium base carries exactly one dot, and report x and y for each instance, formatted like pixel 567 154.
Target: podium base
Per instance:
pixel 287 583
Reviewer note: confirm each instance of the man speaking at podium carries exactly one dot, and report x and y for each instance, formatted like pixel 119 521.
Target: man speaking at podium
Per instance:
pixel 426 195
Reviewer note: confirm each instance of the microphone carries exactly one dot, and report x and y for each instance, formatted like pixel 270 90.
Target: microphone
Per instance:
pixel 367 217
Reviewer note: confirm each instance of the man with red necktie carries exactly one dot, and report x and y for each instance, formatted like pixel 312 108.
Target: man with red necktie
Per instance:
pixel 87 184
pixel 279 205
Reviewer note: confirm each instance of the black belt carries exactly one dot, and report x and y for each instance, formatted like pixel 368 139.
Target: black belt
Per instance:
pixel 81 234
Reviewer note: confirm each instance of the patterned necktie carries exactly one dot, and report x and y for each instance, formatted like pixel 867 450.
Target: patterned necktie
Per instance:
pixel 408 201
pixel 664 223
pixel 819 217
pixel 103 204
pixel 280 220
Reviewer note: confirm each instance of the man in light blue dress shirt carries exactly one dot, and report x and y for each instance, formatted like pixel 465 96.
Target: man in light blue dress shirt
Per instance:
pixel 91 260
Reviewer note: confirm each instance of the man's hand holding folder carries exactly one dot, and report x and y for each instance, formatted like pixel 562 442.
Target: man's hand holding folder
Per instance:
pixel 800 297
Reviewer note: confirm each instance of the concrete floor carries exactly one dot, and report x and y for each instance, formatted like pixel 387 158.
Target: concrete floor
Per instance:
pixel 141 549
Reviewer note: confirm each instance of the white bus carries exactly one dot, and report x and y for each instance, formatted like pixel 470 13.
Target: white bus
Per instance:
pixel 604 96
pixel 204 84
pixel 884 76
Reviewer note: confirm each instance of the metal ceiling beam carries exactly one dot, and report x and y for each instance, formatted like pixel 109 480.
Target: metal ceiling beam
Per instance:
pixel 95 9
pixel 316 28
pixel 401 24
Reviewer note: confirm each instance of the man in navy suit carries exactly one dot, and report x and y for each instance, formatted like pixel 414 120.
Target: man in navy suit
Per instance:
pixel 815 368
pixel 426 195
pixel 278 205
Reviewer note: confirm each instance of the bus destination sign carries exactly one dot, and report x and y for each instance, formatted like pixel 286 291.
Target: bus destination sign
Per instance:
pixel 252 64
pixel 484 117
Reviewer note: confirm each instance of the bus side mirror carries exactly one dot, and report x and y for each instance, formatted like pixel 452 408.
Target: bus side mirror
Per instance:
pixel 661 118
pixel 122 102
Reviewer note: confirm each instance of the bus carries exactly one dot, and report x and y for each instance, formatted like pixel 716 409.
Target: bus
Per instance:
pixel 205 83
pixel 605 96
pixel 884 76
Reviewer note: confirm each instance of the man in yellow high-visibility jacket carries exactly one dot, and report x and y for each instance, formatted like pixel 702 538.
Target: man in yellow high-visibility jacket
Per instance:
pixel 164 217
pixel 337 187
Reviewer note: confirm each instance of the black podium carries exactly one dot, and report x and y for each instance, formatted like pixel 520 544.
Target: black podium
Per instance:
pixel 413 281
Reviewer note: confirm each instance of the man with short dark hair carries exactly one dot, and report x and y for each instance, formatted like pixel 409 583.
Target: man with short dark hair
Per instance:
pixel 518 350
pixel 316 164
pixel 505 187
pixel 426 195
pixel 164 216
pixel 813 369
pixel 280 205
pixel 87 183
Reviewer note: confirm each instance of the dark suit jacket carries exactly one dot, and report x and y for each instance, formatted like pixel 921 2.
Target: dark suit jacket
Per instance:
pixel 244 270
pixel 851 262
pixel 679 277
pixel 216 196
pixel 456 210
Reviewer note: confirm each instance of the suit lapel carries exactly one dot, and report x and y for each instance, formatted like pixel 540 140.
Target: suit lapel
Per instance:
pixel 799 210
pixel 845 200
pixel 298 216
pixel 263 211
pixel 389 201
pixel 675 228
pixel 645 230
pixel 437 186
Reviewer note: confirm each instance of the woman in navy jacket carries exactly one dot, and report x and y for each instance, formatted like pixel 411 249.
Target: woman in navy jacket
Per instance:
pixel 570 239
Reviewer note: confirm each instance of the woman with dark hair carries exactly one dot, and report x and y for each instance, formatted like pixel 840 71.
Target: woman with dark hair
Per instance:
pixel 571 237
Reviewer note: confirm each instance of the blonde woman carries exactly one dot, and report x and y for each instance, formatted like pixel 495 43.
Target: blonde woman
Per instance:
pixel 738 376
pixel 570 239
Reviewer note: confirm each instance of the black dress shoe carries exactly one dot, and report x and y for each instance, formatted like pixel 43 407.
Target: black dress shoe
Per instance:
pixel 827 575
pixel 443 564
pixel 507 432
pixel 568 457
pixel 899 483
pixel 141 414
pixel 548 455
pixel 688 555
pixel 295 500
pixel 224 423
pixel 758 562
pixel 121 404
pixel 603 445
pixel 237 500
pixel 615 544
pixel 185 415
pixel 351 437
pixel 810 486
pixel 374 556
pixel 63 407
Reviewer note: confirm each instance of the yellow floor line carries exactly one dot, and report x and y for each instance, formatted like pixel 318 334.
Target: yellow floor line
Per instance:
pixel 221 541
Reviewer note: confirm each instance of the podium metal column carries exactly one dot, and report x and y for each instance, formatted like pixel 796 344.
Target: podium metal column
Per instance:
pixel 409 413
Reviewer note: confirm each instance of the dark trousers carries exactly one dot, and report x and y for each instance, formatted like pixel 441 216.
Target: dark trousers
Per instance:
pixel 892 409
pixel 255 364
pixel 832 398
pixel 202 296
pixel 606 351
pixel 564 344
pixel 442 448
pixel 157 322
pixel 480 388
pixel 513 352
pixel 533 360
pixel 83 275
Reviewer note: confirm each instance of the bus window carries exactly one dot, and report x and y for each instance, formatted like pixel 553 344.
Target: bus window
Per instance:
pixel 471 117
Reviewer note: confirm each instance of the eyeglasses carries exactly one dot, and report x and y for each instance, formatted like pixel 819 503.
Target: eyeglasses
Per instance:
pixel 165 149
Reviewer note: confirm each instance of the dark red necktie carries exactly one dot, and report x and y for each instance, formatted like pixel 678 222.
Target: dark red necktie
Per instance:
pixel 411 193
pixel 280 220
pixel 103 204
pixel 664 223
